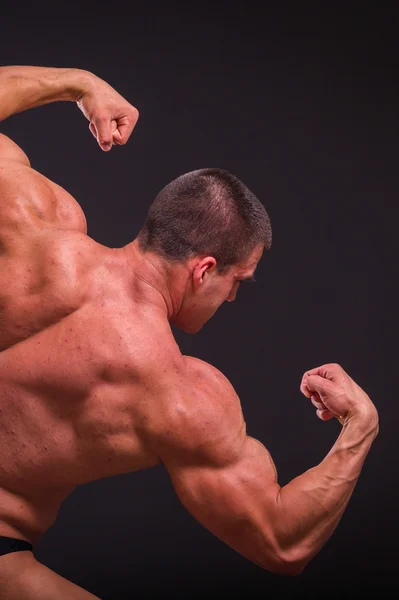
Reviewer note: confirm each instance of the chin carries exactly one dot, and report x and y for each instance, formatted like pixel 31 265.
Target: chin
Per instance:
pixel 188 327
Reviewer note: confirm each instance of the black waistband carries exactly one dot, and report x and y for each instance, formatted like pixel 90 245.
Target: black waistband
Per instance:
pixel 8 545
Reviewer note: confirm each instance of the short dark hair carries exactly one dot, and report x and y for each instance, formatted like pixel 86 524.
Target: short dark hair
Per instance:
pixel 206 212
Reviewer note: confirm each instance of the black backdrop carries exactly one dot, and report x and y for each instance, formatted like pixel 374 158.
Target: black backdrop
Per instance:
pixel 303 107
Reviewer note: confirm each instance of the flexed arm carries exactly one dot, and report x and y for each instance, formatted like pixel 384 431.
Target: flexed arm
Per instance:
pixel 111 117
pixel 228 481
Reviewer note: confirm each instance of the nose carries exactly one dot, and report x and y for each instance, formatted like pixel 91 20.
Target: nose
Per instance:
pixel 232 296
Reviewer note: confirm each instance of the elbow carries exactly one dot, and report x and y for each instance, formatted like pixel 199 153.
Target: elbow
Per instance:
pixel 289 563
pixel 288 568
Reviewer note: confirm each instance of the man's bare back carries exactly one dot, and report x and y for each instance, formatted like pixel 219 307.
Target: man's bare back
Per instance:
pixel 92 382
pixel 68 297
pixel 64 301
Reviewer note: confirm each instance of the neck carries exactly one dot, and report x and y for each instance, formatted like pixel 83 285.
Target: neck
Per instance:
pixel 158 282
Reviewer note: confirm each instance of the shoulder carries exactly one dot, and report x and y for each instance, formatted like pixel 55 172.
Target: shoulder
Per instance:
pixel 200 380
pixel 206 381
pixel 48 202
pixel 204 415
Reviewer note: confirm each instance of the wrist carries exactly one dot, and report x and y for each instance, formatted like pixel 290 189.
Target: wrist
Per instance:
pixel 72 84
pixel 365 420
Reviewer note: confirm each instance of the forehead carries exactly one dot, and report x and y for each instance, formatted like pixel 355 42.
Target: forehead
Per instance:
pixel 250 263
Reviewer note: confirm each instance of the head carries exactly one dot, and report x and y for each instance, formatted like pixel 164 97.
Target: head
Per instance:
pixel 210 222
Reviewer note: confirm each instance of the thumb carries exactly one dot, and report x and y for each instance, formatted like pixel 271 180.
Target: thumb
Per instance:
pixel 104 134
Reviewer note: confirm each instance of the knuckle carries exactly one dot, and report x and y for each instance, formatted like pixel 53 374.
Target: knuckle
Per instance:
pixel 135 113
pixel 334 366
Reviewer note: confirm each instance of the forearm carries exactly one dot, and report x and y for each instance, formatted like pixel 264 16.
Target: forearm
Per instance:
pixel 25 87
pixel 311 505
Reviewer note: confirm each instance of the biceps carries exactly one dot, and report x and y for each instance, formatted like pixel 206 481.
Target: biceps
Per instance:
pixel 11 151
pixel 236 503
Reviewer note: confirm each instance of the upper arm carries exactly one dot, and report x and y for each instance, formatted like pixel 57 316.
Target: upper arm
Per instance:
pixel 224 478
pixel 9 150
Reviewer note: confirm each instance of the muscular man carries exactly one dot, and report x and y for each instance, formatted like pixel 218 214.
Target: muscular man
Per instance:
pixel 93 383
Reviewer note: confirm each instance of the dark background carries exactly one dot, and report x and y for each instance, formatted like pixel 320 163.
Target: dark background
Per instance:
pixel 303 107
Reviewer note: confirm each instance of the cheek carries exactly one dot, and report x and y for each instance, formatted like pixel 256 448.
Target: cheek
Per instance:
pixel 229 290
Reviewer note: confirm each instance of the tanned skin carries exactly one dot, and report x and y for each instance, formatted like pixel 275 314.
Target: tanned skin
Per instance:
pixel 93 384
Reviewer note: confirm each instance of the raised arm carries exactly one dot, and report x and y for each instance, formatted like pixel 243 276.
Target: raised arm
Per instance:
pixel 111 117
pixel 228 480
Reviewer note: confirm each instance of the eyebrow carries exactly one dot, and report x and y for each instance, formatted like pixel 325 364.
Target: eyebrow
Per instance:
pixel 250 278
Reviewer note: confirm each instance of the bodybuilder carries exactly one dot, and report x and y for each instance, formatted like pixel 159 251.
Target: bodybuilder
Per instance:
pixel 92 382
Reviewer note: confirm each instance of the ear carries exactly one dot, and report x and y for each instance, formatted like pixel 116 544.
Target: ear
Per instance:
pixel 204 267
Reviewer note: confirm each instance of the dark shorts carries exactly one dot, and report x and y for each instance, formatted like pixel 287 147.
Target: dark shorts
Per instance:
pixel 8 545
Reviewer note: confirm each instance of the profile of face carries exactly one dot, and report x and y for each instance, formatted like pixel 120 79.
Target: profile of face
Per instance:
pixel 207 289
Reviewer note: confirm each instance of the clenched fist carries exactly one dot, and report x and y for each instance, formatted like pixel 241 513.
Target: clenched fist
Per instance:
pixel 335 394
pixel 112 118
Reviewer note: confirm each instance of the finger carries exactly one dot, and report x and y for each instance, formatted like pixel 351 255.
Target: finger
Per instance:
pixel 324 414
pixel 304 388
pixel 116 136
pixel 93 129
pixel 328 371
pixel 307 391
pixel 126 125
pixel 124 131
pixel 316 401
pixel 318 384
pixel 104 134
